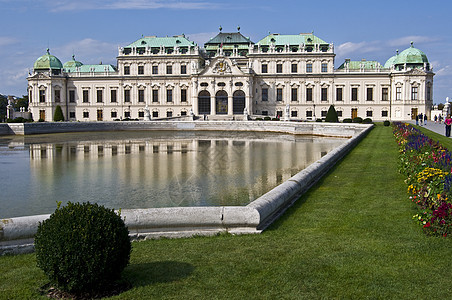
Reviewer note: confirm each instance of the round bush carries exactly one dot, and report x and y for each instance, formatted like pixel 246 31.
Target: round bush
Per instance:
pixel 367 121
pixel 357 120
pixel 82 247
pixel 386 123
pixel 347 120
pixel 319 120
pixel 267 118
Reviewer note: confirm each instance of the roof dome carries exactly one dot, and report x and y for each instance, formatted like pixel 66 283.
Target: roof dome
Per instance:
pixel 72 63
pixel 47 61
pixel 411 56
pixel 390 62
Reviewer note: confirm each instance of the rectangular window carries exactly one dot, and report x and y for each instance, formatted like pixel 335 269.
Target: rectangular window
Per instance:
pixel 72 96
pixel 369 113
pixel 155 95
pixel 278 68
pixel 169 114
pixel 265 112
pixel 140 70
pixel 354 94
pixel 309 114
pixel 398 93
pixel 384 94
pixel 339 113
pixel 264 68
pixel 294 113
pixel 155 70
pixel 279 92
pixel 114 114
pixel 169 95
pixel 126 70
pixel 183 95
pixel 99 96
pixel 113 95
pixel 264 94
pixel 127 114
pixel 85 96
pixel 126 95
pixel 183 69
pixel 169 69
pixel 324 68
pixel 141 114
pixel 86 114
pixel 42 96
pixel 429 93
pixel 140 95
pixel 155 114
pixel 384 113
pixel 72 114
pixel 324 96
pixel 57 96
pixel 308 94
pixel 294 68
pixel 323 113
pixel 31 96
pixel 370 94
pixel 294 94
pixel 338 94
pixel 414 90
pixel 309 68
pixel 183 113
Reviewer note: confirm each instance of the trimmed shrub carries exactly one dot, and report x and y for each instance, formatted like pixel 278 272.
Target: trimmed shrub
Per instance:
pixel 82 247
pixel 319 120
pixel 267 118
pixel 259 119
pixel 347 120
pixel 58 115
pixel 41 120
pixel 275 119
pixel 367 121
pixel 331 115
pixel 386 123
pixel 357 120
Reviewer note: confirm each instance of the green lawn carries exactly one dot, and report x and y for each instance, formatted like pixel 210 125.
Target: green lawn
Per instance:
pixel 351 236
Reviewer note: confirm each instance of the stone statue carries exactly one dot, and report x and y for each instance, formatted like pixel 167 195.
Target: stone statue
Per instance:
pixel 147 114
pixel 245 114
pixel 286 115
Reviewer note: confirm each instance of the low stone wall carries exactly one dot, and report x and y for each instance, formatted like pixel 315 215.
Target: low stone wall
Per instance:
pixel 309 128
pixel 16 234
pixel 4 129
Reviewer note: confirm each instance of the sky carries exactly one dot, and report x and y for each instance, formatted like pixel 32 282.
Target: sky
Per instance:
pixel 93 30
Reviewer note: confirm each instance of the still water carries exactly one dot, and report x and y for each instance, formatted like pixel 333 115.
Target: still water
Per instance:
pixel 148 169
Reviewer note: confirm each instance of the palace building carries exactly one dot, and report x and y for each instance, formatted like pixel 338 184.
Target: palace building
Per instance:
pixel 231 76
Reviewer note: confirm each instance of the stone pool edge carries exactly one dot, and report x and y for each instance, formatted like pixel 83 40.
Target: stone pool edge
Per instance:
pixel 16 234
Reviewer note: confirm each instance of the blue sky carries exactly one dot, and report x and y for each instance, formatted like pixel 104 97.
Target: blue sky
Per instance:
pixel 93 29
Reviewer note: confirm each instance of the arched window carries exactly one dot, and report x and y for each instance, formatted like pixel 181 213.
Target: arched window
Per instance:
pixel 238 102
pixel 204 103
pixel 221 103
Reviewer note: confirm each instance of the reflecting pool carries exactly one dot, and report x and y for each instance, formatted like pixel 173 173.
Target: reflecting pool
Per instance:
pixel 147 169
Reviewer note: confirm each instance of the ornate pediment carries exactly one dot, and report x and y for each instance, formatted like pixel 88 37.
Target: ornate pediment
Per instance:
pixel 221 66
pixel 39 76
pixel 416 71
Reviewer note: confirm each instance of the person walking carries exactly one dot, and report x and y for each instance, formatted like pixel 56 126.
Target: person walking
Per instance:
pixel 425 119
pixel 436 119
pixel 421 118
pixel 417 119
pixel 448 122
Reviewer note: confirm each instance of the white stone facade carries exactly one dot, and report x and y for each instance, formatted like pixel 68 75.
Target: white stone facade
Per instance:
pixel 262 82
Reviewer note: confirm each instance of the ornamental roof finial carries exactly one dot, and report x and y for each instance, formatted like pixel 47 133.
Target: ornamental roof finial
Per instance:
pixel 238 28
pixel 412 44
pixel 221 28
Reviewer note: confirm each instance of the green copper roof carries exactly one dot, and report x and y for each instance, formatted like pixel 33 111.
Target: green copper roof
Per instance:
pixel 72 63
pixel 228 38
pixel 47 61
pixel 361 64
pixel 91 69
pixel 291 39
pixel 411 56
pixel 390 62
pixel 153 41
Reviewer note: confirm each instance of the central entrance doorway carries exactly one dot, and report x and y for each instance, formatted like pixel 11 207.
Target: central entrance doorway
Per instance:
pixel 354 113
pixel 100 115
pixel 204 103
pixel 238 102
pixel 221 103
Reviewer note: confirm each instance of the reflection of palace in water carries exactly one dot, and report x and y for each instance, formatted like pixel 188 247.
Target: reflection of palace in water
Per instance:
pixel 190 171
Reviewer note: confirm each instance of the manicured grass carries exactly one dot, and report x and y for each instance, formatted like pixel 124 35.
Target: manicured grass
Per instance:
pixel 351 236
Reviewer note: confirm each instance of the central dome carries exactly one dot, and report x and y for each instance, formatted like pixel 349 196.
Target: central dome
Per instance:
pixel 48 61
pixel 411 56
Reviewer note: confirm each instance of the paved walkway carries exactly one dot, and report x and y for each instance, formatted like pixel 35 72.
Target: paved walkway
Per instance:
pixel 431 125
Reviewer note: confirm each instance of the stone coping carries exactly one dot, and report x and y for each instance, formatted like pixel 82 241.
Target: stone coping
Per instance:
pixel 16 234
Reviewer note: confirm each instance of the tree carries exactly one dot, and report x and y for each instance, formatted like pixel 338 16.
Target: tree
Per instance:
pixel 21 102
pixel 58 115
pixel 3 104
pixel 331 115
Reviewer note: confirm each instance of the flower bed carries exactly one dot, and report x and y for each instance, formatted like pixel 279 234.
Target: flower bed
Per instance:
pixel 427 166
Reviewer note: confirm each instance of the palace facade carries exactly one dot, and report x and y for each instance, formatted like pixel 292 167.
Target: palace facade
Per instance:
pixel 231 76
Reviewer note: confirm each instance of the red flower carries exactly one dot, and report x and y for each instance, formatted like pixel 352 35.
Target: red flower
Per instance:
pixel 444 235
pixel 427 225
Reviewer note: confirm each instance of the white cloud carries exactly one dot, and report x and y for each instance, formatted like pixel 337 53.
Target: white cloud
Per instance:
pixel 405 41
pixel 6 41
pixel 65 5
pixel 88 51
pixel 361 47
